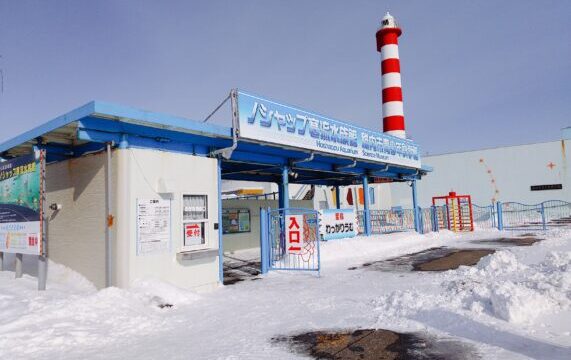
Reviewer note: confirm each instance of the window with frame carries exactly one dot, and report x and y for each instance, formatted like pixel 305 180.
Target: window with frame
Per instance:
pixel 194 219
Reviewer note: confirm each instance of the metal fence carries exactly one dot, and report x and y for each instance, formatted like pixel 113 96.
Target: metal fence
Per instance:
pixel 503 216
pixel 389 221
pixel 281 256
pixel 557 213
pixel 428 219
pixel 484 216
pixel 548 214
pixel 522 216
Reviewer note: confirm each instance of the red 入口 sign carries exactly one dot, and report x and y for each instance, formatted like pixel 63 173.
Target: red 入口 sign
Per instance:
pixel 294 234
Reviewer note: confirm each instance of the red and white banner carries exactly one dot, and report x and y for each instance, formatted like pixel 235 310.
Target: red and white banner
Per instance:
pixel 295 237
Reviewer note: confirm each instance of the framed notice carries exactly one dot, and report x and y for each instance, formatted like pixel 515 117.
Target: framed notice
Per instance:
pixel 236 221
pixel 153 226
pixel 21 204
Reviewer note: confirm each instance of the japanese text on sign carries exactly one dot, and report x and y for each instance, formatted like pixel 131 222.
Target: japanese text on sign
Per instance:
pixel 21 208
pixel 295 237
pixel 153 226
pixel 265 120
pixel 337 223
pixel 193 234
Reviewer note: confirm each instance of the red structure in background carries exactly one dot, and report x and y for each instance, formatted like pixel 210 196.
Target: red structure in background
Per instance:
pixel 388 46
pixel 457 215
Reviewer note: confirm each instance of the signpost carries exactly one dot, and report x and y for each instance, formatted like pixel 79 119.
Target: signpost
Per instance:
pixel 22 197
pixel 337 223
pixel 267 121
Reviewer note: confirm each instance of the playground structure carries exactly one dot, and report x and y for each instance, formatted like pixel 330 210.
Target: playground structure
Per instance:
pixel 455 213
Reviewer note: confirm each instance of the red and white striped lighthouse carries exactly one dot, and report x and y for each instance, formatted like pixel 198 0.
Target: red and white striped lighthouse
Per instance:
pixel 388 46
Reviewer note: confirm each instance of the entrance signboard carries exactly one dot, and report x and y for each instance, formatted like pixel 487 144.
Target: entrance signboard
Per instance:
pixel 267 121
pixel 295 236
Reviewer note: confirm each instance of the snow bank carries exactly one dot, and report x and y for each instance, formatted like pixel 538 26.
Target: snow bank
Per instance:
pixel 63 277
pixel 500 286
pixel 71 313
pixel 161 293
pixel 386 245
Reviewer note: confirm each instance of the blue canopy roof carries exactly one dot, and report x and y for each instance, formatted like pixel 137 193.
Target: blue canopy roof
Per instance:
pixel 88 128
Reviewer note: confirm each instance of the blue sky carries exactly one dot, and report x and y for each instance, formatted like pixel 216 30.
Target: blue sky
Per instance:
pixel 475 73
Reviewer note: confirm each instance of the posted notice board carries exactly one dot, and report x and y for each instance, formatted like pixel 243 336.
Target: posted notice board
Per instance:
pixel 235 221
pixel 153 226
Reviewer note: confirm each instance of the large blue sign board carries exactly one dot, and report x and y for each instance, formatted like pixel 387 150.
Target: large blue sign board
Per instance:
pixel 267 121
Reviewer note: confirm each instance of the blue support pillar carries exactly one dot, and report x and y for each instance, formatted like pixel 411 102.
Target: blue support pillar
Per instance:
pixel 338 196
pixel 280 196
pixel 220 240
pixel 264 241
pixel 284 188
pixel 543 219
pixel 500 216
pixel 415 207
pixel 366 213
pixel 493 215
pixel 434 214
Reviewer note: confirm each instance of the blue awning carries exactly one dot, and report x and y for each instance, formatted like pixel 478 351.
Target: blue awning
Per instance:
pixel 88 128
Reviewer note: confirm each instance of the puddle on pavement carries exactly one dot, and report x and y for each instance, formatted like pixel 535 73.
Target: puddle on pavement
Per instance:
pixel 521 240
pixel 454 260
pixel 434 259
pixel 238 270
pixel 376 344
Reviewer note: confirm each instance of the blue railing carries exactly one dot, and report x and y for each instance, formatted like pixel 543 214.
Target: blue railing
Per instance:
pixel 503 216
pixel 548 214
pixel 484 216
pixel 395 220
pixel 274 248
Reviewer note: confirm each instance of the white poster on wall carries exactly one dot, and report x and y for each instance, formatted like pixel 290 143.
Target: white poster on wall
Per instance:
pixel 153 226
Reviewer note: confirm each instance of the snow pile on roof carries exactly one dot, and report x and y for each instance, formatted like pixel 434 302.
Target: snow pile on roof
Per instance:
pixel 500 286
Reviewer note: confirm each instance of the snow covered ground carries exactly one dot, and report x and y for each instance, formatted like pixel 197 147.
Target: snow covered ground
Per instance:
pixel 514 304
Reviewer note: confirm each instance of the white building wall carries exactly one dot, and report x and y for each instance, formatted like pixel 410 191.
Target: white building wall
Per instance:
pixel 76 233
pixel 140 173
pixel 512 170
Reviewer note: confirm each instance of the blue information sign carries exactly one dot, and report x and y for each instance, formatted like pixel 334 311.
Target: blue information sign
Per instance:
pixel 267 121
